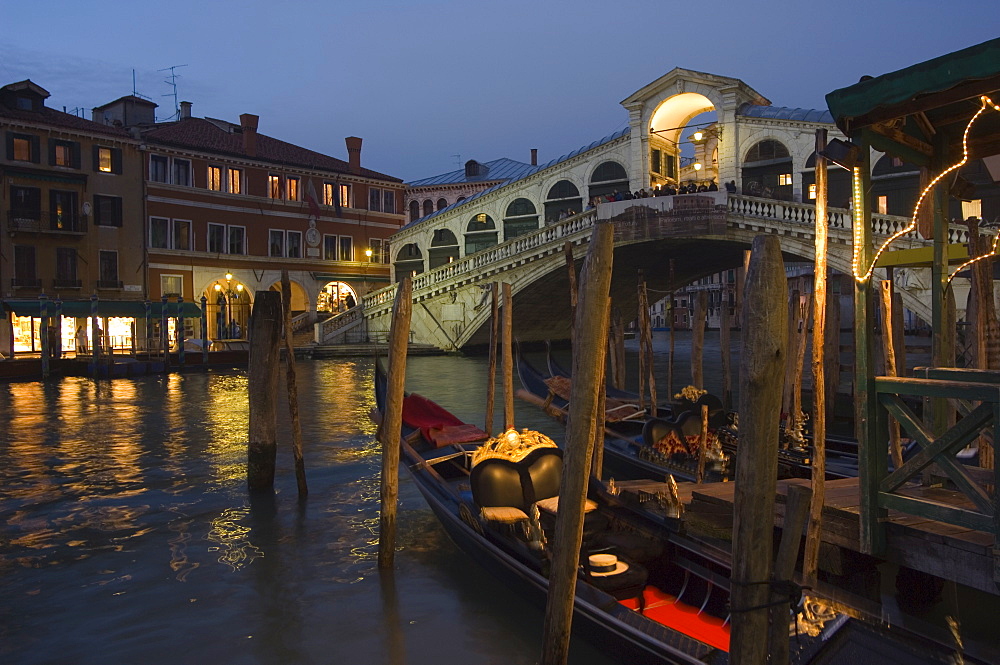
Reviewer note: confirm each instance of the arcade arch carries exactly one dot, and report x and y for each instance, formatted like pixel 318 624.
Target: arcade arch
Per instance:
pixel 409 260
pixel 521 217
pixel 607 178
pixel 334 297
pixel 480 233
pixel 444 248
pixel 563 197
pixel 767 170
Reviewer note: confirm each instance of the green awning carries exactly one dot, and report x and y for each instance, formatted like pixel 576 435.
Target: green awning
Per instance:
pixel 891 95
pixel 81 308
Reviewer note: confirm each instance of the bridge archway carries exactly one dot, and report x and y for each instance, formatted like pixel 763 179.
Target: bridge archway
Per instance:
pixel 444 248
pixel 480 233
pixel 767 170
pixel 521 217
pixel 409 260
pixel 607 177
pixel 562 197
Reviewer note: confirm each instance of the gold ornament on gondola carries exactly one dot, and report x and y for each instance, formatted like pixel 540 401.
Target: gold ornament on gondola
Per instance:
pixel 512 446
pixel 690 393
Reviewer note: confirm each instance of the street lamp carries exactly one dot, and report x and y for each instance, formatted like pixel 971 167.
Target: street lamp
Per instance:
pixel 226 295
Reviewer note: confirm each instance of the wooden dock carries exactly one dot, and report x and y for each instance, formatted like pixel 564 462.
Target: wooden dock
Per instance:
pixel 950 552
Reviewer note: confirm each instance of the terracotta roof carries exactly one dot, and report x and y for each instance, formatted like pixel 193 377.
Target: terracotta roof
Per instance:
pixel 55 118
pixel 227 138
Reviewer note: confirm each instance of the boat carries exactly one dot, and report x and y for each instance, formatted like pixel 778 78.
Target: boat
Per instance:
pixel 647 593
pixel 640 446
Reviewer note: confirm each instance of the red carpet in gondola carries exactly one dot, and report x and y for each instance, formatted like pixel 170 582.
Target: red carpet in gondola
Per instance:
pixel 436 424
pixel 664 608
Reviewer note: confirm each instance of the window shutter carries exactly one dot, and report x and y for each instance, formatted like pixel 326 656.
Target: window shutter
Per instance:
pixel 10 146
pixel 116 160
pixel 36 150
pixel 52 152
pixel 76 155
pixel 97 158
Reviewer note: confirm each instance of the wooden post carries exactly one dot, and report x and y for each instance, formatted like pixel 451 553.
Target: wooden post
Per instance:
pixel 810 557
pixel 801 334
pixel 616 339
pixel 794 305
pixel 642 316
pixel 571 270
pixel 204 331
pixel 508 358
pixel 698 339
pixel 888 340
pixel 292 386
pixel 43 329
pixel 987 329
pixel 796 512
pixel 181 356
pixel 673 326
pixel 702 444
pixel 727 355
pixel 765 333
pixel 262 379
pixel 597 459
pixel 588 358
pixel 392 422
pixel 831 356
pixel 491 380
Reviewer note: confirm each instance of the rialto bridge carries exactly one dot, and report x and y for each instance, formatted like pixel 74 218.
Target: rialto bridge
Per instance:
pixel 686 128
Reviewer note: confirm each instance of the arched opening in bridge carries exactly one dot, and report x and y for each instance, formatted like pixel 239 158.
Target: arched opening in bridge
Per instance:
pixel 442 204
pixel 767 171
pixel 520 218
pixel 679 148
pixel 838 184
pixel 334 297
pixel 414 211
pixel 607 178
pixel 409 261
pixel 444 248
pixel 228 308
pixel 895 186
pixel 563 200
pixel 428 207
pixel 480 233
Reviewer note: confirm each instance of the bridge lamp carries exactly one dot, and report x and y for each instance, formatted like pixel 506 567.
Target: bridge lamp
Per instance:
pixel 697 166
pixel 698 135
pixel 368 253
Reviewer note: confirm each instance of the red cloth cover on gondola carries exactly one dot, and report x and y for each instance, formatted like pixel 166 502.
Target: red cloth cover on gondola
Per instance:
pixel 436 424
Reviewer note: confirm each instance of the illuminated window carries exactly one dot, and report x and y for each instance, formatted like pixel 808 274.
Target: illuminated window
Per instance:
pixel 158 168
pixel 65 153
pixel 972 209
pixel 883 205
pixel 274 186
pixel 104 160
pixel 812 192
pixel 292 188
pixel 19 148
pixel 784 178
pixel 345 196
pixel 328 190
pixel 215 178
pixel 235 181
pixel 171 285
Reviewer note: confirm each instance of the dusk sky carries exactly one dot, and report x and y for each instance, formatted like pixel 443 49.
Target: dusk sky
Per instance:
pixel 430 84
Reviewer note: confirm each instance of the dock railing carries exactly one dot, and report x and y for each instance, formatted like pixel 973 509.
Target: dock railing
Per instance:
pixel 976 394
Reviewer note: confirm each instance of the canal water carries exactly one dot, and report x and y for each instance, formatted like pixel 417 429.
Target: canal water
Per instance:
pixel 127 534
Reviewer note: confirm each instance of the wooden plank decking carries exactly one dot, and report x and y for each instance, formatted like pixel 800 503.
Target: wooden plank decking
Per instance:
pixel 950 552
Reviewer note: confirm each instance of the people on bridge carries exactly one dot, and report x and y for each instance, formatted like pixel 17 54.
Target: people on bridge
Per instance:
pixel 712 187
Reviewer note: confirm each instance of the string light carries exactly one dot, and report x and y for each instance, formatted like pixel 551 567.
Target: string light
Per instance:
pixel 986 103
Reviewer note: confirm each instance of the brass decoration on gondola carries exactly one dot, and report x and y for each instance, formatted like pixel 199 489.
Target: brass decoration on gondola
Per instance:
pixel 512 446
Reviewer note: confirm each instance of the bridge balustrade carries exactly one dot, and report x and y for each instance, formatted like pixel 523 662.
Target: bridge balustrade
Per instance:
pixel 548 238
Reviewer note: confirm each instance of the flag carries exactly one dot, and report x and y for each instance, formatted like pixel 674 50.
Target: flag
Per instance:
pixel 310 196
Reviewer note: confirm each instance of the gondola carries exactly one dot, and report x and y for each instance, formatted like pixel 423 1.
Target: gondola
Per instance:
pixel 632 447
pixel 646 593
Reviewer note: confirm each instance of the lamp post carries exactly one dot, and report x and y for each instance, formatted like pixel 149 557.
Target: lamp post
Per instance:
pixel 229 293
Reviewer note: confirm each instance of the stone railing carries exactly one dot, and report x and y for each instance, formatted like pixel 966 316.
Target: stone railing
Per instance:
pixel 340 322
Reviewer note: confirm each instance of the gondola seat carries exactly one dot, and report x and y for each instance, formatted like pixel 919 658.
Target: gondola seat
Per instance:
pixel 502 483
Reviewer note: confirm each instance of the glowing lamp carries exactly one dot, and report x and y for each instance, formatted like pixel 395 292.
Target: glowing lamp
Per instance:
pixel 218 287
pixel 229 276
pixel 368 252
pixel 698 135
pixel 239 287
pixel 697 166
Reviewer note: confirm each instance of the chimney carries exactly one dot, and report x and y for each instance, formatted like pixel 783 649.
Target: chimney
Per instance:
pixel 354 152
pixel 534 156
pixel 185 110
pixel 248 121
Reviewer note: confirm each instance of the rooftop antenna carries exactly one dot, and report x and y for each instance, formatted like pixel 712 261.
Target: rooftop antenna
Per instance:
pixel 172 82
pixel 134 92
pixel 458 159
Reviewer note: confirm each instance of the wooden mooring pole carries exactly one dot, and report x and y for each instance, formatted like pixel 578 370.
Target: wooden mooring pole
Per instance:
pixel 673 328
pixel 573 295
pixel 646 373
pixel 588 361
pixel 727 354
pixel 392 422
pixel 292 386
pixel 765 345
pixel 262 379
pixel 491 380
pixel 810 557
pixel 796 514
pixel 889 346
pixel 698 340
pixel 508 358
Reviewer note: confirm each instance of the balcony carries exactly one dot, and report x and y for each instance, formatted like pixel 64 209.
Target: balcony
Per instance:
pixel 60 283
pixel 43 221
pixel 25 283
pixel 108 284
